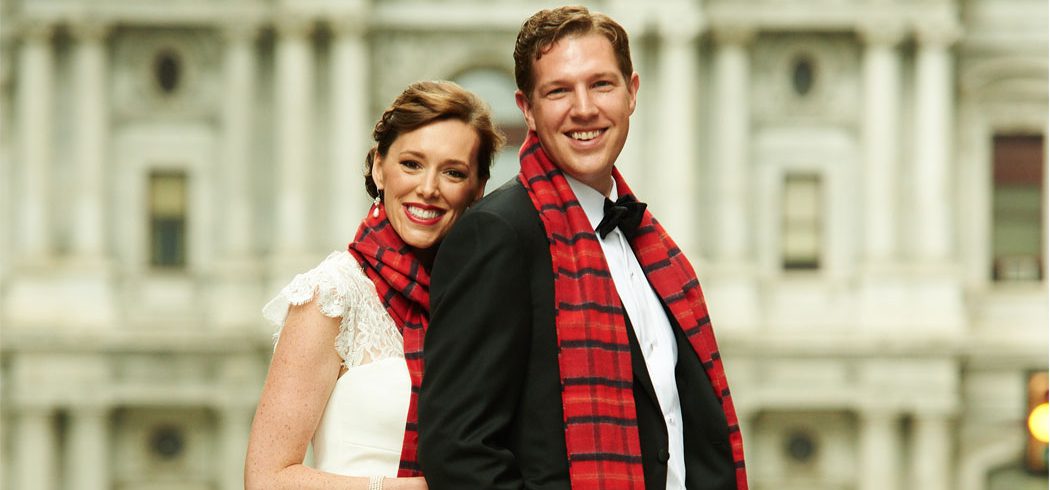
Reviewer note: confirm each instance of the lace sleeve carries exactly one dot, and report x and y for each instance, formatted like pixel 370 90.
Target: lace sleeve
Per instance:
pixel 331 283
pixel 342 291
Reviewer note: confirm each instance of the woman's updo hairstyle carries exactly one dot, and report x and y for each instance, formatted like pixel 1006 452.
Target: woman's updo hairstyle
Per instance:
pixel 425 102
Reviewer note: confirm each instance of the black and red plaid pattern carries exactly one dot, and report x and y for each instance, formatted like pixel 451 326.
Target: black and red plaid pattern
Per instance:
pixel 594 357
pixel 403 284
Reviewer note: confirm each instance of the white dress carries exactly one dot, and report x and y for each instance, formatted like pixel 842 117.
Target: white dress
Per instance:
pixel 363 426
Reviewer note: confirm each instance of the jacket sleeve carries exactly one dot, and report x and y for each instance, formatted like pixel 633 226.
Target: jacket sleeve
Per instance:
pixel 475 355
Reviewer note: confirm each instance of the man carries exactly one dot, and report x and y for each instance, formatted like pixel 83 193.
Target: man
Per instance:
pixel 569 344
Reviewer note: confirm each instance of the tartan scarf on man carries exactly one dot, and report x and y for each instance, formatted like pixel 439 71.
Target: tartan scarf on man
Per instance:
pixel 594 356
pixel 403 284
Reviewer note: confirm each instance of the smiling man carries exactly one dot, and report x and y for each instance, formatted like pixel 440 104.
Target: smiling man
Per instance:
pixel 569 343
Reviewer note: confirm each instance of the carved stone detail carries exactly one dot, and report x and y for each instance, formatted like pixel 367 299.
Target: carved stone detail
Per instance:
pixel 733 33
pixel 938 34
pixel 400 58
pixel 835 92
pixel 90 29
pixel 881 31
pixel 136 92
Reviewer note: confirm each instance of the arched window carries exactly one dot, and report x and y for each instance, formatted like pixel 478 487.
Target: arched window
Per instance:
pixel 497 88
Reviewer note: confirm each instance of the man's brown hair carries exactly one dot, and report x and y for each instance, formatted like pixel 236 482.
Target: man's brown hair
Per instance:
pixel 547 27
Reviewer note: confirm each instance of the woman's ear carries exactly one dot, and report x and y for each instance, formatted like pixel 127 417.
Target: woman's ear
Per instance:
pixel 377 170
pixel 481 190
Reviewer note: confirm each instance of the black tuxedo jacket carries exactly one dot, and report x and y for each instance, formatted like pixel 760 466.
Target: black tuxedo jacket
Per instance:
pixel 490 409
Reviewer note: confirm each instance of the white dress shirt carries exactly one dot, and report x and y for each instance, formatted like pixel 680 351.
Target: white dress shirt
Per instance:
pixel 650 323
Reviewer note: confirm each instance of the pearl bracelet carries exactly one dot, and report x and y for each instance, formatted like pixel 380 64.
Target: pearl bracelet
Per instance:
pixel 375 483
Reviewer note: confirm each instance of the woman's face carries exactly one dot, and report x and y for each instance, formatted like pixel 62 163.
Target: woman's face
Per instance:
pixel 428 177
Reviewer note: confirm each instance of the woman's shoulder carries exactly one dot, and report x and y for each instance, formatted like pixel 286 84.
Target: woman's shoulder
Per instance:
pixel 336 283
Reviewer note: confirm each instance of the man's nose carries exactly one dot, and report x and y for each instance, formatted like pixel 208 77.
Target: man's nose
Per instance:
pixel 583 103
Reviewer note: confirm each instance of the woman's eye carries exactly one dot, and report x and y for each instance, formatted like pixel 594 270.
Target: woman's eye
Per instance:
pixel 410 164
pixel 457 174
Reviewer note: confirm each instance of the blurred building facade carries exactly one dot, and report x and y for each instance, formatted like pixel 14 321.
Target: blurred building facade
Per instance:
pixel 860 185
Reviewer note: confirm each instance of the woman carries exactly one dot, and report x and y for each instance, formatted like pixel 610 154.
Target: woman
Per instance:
pixel 434 147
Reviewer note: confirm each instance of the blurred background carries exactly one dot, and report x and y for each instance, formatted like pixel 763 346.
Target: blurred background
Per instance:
pixel 860 184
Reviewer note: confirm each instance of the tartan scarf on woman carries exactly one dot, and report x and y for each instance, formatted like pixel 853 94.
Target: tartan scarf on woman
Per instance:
pixel 403 284
pixel 594 356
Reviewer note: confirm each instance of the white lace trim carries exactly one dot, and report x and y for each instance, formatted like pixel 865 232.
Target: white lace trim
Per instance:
pixel 366 332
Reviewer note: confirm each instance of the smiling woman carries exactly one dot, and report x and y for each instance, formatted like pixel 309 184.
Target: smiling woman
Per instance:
pixel 427 179
pixel 355 403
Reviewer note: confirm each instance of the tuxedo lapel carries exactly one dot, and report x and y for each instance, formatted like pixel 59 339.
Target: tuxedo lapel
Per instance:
pixel 641 372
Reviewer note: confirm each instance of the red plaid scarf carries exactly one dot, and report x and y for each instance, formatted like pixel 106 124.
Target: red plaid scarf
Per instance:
pixel 594 357
pixel 403 284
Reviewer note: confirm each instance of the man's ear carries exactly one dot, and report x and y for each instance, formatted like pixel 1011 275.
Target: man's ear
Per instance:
pixel 526 108
pixel 632 91
pixel 377 170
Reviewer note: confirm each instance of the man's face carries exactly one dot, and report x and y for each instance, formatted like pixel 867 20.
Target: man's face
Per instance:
pixel 580 107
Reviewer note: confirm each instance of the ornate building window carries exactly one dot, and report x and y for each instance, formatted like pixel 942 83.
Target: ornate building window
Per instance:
pixel 166 442
pixel 801 447
pixel 801 225
pixel 167 71
pixel 167 211
pixel 1017 208
pixel 803 75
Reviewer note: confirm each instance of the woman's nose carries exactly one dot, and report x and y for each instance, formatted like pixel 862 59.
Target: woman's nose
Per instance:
pixel 428 188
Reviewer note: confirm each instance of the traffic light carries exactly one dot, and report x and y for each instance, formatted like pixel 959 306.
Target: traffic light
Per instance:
pixel 1035 454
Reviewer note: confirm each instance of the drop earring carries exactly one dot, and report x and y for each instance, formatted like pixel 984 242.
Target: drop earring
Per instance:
pixel 375 203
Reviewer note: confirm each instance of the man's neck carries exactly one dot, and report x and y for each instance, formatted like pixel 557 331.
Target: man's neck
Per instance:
pixel 603 184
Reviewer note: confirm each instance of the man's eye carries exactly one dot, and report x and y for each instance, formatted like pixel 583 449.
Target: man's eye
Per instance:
pixel 556 91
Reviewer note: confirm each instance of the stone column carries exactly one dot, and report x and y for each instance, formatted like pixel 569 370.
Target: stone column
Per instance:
pixel 351 128
pixel 236 285
pixel 88 449
pixel 881 123
pixel 238 116
pixel 36 458
pixel 90 140
pixel 295 112
pixel 235 423
pixel 932 447
pixel 934 92
pixel 675 206
pixel 35 105
pixel 731 130
pixel 879 451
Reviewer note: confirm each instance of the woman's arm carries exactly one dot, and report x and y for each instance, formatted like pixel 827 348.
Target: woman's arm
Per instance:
pixel 302 375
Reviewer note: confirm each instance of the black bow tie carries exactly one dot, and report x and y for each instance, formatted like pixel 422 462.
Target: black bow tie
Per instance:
pixel 625 213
